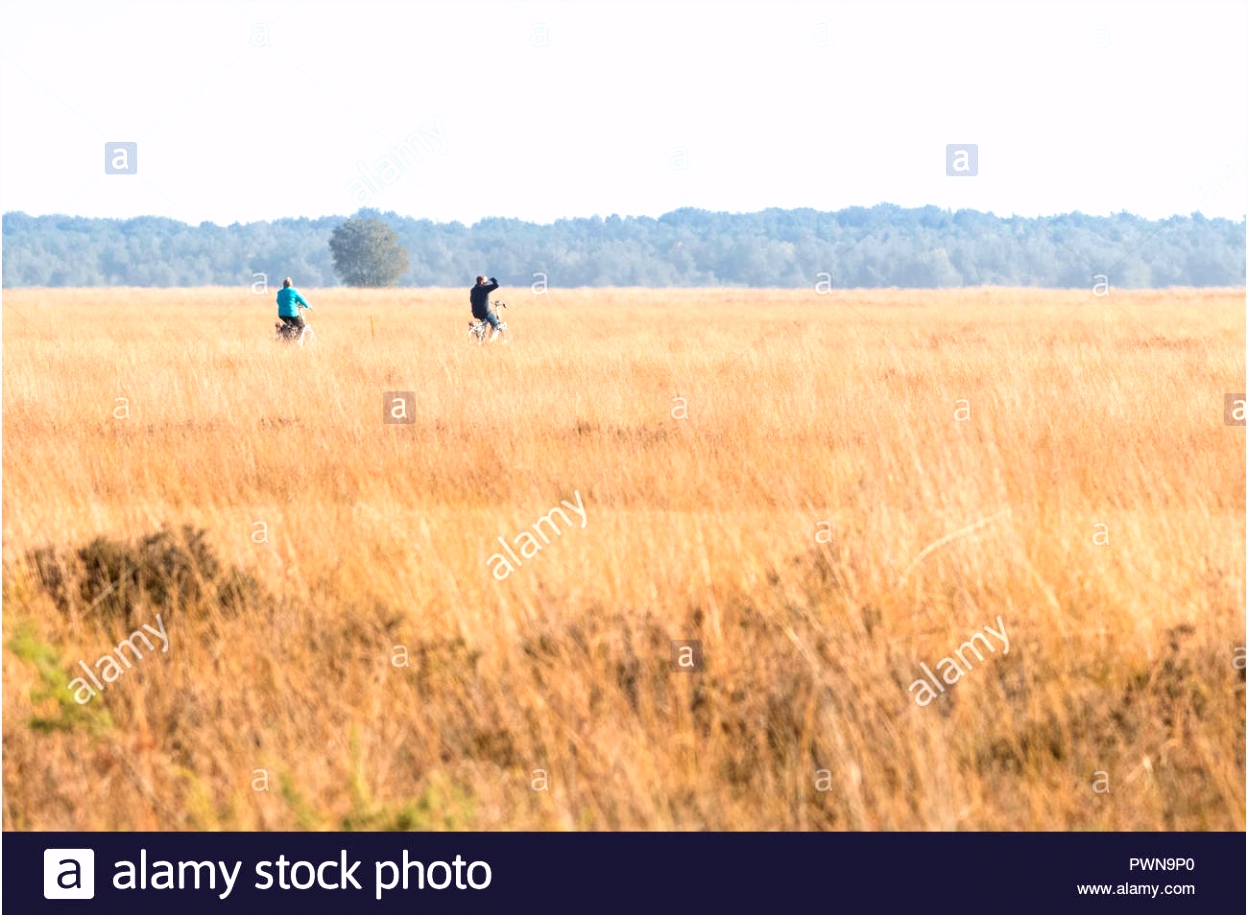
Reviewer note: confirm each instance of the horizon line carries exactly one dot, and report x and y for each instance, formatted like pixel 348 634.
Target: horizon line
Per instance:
pixel 373 211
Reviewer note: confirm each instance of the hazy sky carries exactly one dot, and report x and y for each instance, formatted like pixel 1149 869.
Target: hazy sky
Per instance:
pixel 251 111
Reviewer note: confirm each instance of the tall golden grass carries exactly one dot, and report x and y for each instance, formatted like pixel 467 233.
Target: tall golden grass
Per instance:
pixel 769 472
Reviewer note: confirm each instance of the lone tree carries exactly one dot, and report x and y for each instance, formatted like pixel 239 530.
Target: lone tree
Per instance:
pixel 367 253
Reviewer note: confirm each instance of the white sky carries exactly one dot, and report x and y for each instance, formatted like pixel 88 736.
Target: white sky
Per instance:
pixel 1096 107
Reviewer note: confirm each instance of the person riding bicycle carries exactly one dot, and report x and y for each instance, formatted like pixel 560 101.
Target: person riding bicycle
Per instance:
pixel 288 303
pixel 480 299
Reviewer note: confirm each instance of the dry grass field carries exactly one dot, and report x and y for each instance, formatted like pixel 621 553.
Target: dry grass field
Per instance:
pixel 828 492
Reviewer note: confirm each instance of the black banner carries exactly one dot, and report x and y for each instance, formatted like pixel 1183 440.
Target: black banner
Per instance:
pixel 398 873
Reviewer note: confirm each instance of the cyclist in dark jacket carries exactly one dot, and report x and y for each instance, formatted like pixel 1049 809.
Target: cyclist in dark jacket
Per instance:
pixel 480 299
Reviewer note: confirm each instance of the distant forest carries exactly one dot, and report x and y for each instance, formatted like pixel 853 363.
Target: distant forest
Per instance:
pixel 881 246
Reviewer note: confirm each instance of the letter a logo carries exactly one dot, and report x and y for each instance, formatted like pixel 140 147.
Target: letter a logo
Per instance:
pixel 395 407
pixel 69 873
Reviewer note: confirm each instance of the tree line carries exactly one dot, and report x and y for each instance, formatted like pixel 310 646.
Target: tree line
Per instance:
pixel 880 246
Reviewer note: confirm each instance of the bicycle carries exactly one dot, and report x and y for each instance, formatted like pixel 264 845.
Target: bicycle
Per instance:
pixel 288 334
pixel 478 328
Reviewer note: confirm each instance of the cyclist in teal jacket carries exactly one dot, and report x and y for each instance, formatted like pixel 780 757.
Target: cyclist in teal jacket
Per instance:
pixel 288 303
